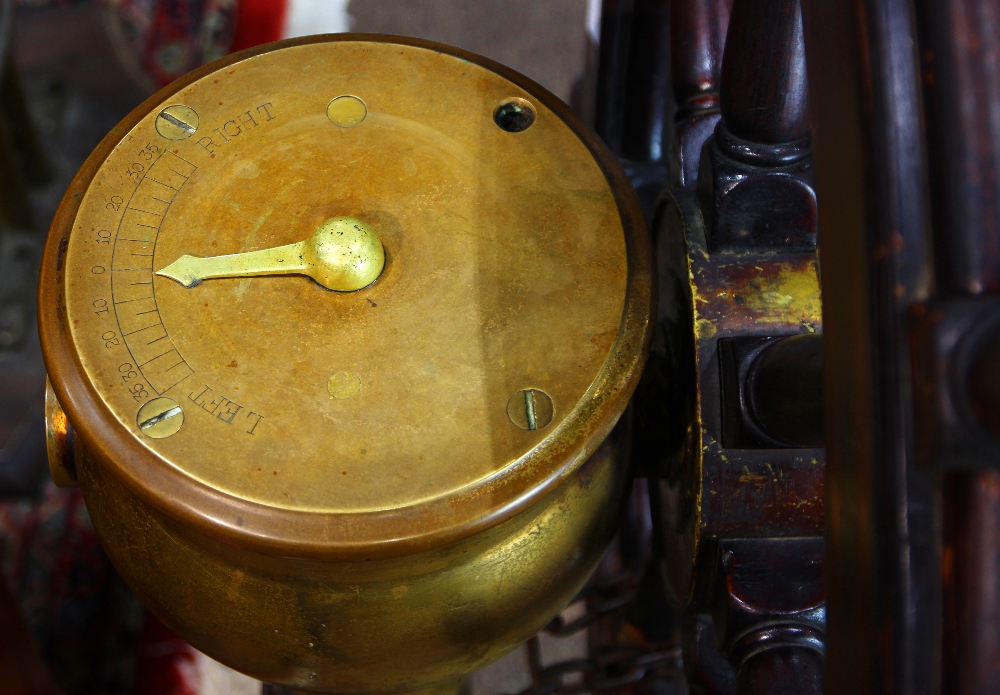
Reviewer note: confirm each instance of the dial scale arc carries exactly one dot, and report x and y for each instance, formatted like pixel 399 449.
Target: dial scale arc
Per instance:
pixel 132 288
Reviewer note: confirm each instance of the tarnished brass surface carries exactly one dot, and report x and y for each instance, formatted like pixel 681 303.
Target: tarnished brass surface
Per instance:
pixel 58 441
pixel 498 278
pixel 343 254
pixel 384 625
pixel 302 481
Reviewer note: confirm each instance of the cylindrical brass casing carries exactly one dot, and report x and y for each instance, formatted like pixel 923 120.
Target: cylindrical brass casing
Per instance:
pixel 367 625
pixel 451 525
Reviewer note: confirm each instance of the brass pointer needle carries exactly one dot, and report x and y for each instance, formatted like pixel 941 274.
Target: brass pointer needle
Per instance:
pixel 342 254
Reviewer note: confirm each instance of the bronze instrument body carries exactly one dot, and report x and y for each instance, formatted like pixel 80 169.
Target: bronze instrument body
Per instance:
pixel 369 625
pixel 377 490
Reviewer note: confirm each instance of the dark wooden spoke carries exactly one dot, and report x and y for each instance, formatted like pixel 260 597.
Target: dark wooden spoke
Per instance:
pixel 698 35
pixel 755 184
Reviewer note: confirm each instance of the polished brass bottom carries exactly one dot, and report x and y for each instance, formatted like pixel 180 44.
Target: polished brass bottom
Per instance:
pixel 414 623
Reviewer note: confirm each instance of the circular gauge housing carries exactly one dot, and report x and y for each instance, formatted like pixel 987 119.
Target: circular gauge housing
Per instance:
pixel 425 448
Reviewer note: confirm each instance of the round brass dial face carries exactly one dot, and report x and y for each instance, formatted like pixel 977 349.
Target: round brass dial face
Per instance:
pixel 505 277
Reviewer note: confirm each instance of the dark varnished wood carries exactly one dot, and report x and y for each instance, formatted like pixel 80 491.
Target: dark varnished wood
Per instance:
pixel 750 514
pixel 763 89
pixel 983 383
pixel 712 493
pixel 971 572
pixel 783 671
pixel 882 548
pixel 961 70
pixel 960 41
pixel 770 613
pixel 755 182
pixel 634 108
pixel 697 36
pixel 616 24
pixel 711 490
pixel 772 391
pixel 648 107
pixel 910 308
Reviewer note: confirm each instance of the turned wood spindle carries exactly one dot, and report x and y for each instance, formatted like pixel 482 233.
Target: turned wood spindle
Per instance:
pixel 772 631
pixel 616 21
pixel 755 183
pixel 763 89
pixel 648 107
pixel 697 39
pixel 961 52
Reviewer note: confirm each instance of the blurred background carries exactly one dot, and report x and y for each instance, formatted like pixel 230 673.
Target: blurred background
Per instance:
pixel 69 71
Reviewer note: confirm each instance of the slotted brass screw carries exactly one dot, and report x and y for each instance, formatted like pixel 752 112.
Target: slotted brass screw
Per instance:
pixel 177 122
pixel 530 409
pixel 160 418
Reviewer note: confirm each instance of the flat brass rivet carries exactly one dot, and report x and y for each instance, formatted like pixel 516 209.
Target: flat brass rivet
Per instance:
pixel 160 418
pixel 344 385
pixel 530 409
pixel 346 111
pixel 177 122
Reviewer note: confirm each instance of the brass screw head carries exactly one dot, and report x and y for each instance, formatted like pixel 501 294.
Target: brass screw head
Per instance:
pixel 177 122
pixel 160 417
pixel 530 409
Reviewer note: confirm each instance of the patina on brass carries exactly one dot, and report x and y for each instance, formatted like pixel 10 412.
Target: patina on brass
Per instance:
pixel 58 441
pixel 339 500
pixel 342 254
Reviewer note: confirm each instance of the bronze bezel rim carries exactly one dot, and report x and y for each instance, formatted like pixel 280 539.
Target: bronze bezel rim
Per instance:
pixel 432 523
